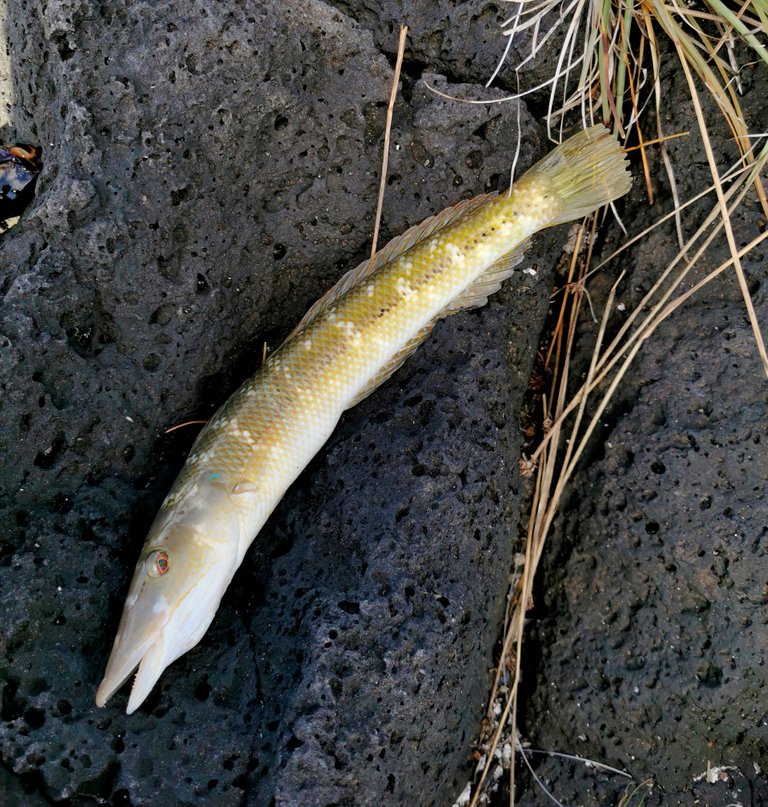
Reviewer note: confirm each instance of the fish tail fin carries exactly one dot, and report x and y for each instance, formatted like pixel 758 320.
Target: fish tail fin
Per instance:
pixel 587 171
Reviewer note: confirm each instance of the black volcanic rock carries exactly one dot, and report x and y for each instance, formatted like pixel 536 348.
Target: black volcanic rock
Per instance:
pixel 210 171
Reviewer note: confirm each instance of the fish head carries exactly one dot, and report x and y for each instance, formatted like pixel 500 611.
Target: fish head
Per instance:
pixel 188 560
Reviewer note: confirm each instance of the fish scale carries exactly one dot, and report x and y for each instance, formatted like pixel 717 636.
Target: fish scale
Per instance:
pixel 347 344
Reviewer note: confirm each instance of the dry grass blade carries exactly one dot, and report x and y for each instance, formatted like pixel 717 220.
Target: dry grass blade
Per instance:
pixel 547 480
pixel 608 365
pixel 387 131
pixel 636 796
pixel 672 20
pixel 536 779
pixel 610 64
pixel 553 476
pixel 726 219
pixel 184 425
pixel 574 758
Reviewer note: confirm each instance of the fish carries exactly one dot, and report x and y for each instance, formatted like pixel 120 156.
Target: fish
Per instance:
pixel 348 343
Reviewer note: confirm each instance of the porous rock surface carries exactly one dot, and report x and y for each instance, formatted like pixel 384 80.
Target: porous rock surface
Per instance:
pixel 209 171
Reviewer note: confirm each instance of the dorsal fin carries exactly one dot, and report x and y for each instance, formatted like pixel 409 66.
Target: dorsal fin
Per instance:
pixel 473 296
pixel 396 247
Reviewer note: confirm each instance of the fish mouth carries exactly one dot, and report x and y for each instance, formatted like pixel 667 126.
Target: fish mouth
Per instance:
pixel 143 641
pixel 159 625
pixel 151 658
pixel 152 635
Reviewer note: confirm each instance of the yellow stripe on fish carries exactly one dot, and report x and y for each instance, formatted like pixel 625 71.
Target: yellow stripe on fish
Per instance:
pixel 347 344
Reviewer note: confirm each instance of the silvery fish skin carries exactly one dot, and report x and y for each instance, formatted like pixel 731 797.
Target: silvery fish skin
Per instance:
pixel 347 344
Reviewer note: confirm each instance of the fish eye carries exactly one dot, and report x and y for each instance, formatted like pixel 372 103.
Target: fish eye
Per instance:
pixel 158 563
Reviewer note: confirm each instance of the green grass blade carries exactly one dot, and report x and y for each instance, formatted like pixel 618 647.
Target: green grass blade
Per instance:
pixel 738 25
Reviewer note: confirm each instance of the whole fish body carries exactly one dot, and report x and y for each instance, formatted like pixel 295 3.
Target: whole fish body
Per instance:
pixel 347 344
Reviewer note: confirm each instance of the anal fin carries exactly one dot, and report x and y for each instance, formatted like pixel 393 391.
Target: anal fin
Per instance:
pixel 394 363
pixel 478 292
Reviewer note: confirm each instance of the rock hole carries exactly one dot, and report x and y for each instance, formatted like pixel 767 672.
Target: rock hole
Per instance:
pixel 34 718
pixel 46 458
pixel 202 689
pixel 293 743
